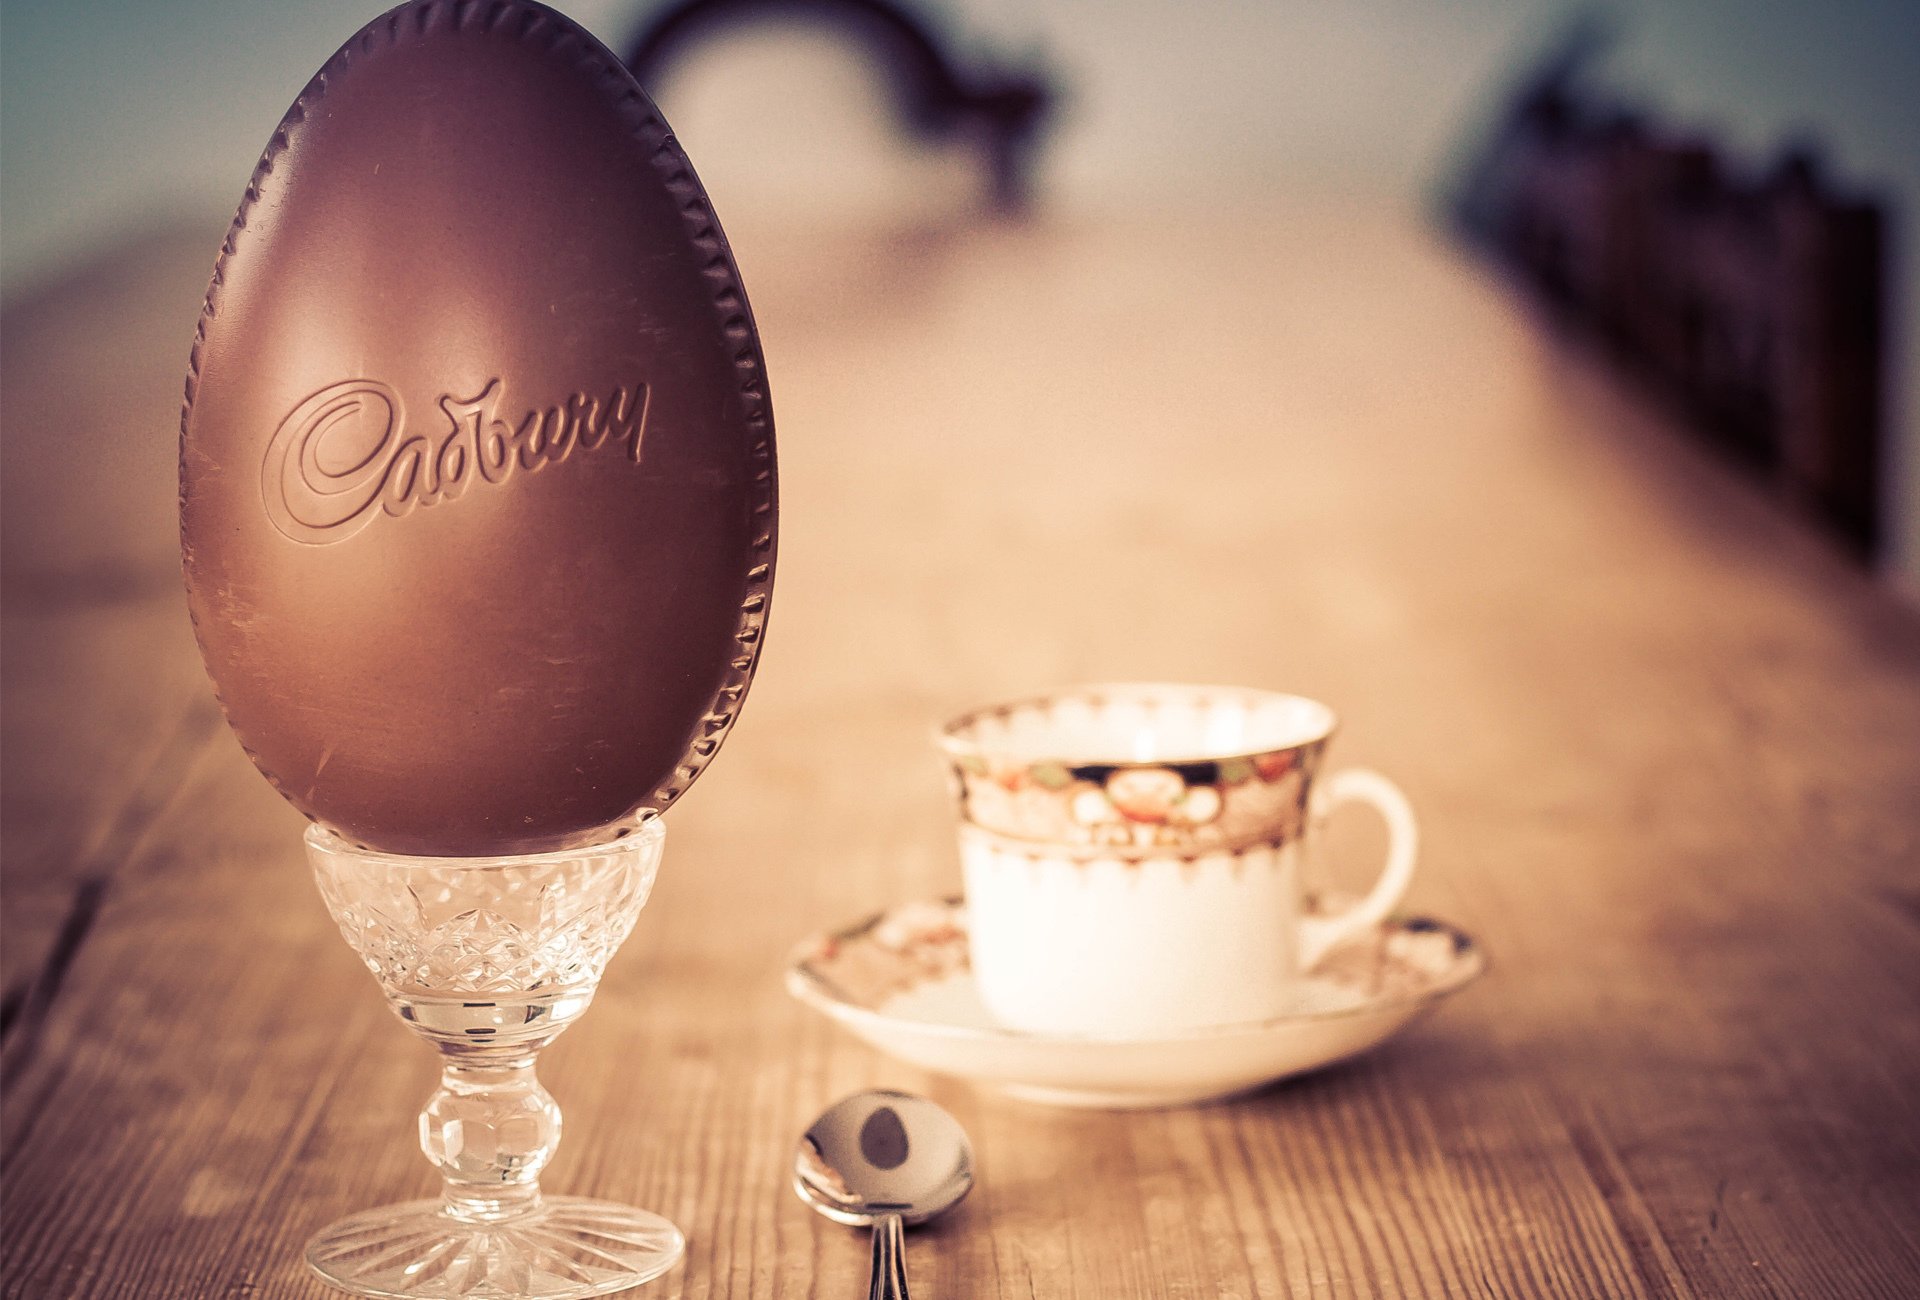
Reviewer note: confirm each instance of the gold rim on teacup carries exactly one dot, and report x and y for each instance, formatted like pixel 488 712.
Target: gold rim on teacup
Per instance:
pixel 1140 769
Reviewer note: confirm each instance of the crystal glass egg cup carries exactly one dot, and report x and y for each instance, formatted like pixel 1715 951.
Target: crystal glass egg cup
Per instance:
pixel 489 959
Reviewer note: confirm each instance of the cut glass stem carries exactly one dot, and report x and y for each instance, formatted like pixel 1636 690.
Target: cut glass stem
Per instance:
pixel 489 959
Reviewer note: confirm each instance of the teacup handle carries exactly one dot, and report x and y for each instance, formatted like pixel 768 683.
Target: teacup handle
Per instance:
pixel 1319 934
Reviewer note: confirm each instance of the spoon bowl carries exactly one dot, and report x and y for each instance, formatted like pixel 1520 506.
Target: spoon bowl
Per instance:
pixel 883 1160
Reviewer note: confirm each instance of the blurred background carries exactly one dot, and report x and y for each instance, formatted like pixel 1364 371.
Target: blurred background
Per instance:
pixel 128 129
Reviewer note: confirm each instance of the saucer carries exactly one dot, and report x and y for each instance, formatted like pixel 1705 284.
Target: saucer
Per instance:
pixel 900 981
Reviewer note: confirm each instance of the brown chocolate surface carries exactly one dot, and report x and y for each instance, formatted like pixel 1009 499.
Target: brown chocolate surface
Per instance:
pixel 476 466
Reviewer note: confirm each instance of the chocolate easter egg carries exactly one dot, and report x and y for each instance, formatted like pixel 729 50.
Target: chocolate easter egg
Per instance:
pixel 476 464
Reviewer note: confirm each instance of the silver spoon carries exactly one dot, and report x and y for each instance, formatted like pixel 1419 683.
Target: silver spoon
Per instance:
pixel 884 1160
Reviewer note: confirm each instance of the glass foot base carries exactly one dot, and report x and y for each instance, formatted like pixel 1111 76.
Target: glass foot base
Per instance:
pixel 567 1247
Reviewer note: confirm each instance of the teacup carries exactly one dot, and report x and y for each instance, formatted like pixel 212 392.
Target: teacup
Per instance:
pixel 1133 854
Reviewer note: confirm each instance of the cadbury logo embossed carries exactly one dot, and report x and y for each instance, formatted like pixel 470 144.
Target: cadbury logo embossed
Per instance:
pixel 345 456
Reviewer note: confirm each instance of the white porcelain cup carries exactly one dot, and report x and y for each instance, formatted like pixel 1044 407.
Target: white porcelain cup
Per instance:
pixel 1133 855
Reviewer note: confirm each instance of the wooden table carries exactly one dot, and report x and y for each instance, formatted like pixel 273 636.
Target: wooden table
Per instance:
pixel 1666 746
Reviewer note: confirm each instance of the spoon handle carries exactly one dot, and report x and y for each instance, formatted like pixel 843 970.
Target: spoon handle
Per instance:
pixel 889 1259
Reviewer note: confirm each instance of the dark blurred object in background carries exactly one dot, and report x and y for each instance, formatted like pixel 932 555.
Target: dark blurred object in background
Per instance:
pixel 1752 296
pixel 937 99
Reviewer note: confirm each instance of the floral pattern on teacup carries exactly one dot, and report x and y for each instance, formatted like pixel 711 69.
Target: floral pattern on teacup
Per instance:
pixel 1189 807
pixel 1151 796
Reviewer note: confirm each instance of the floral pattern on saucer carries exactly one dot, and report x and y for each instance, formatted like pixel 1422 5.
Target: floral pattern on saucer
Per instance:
pixel 895 951
pixel 901 981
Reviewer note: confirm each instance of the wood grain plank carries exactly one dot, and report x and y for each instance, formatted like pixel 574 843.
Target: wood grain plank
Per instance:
pixel 102 709
pixel 101 688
